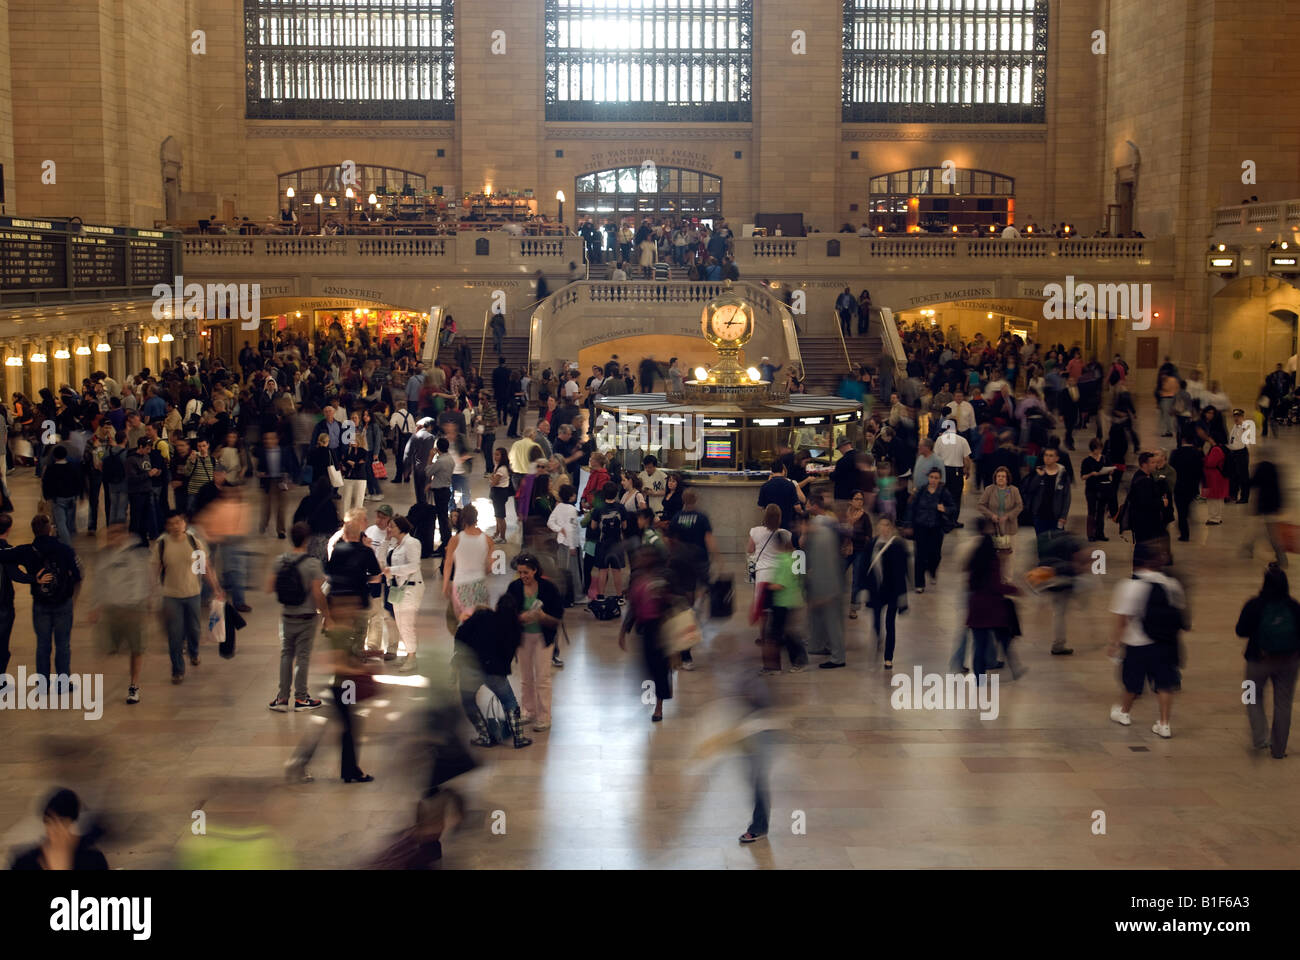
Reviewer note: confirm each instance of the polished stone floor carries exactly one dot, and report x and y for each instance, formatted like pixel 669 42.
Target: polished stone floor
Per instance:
pixel 855 783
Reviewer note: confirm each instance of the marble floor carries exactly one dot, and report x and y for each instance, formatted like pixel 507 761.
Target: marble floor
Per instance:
pixel 855 782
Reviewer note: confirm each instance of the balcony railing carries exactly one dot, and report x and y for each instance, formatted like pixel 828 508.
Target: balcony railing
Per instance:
pixel 464 248
pixel 1280 215
pixel 844 249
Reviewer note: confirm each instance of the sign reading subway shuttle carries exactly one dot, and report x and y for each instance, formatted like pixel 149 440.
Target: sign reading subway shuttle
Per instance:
pixel 67 255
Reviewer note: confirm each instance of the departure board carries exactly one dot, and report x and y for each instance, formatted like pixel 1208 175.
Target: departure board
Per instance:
pixel 98 262
pixel 32 261
pixel 151 262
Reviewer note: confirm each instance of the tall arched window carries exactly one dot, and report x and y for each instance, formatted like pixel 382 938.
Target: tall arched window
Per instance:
pixel 945 61
pixel 349 59
pixel 649 190
pixel 649 60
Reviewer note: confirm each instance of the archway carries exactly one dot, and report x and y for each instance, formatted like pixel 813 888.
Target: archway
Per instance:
pixel 648 190
pixel 1252 329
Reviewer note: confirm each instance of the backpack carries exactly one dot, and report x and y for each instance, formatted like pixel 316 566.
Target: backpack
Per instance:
pixel 58 589
pixel 611 526
pixel 1114 376
pixel 1162 621
pixel 113 467
pixel 289 588
pixel 606 609
pixel 1276 632
pixel 162 552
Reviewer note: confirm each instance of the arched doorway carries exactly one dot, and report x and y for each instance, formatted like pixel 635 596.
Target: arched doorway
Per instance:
pixel 939 198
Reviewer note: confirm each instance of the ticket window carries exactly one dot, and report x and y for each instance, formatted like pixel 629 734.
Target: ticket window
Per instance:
pixel 814 434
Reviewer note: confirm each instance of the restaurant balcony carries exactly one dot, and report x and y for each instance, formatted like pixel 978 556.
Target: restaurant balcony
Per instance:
pixel 1254 240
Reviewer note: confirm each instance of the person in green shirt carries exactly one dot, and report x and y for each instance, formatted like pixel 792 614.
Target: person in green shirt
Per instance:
pixel 650 537
pixel 786 587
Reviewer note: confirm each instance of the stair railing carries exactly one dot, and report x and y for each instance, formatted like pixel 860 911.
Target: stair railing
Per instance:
pixel 839 332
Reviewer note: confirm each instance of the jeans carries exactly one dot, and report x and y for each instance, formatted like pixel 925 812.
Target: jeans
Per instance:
pixel 1166 405
pixel 93 489
pixel 6 628
pixel 858 562
pixel 460 489
pixel 1281 669
pixel 297 635
pixel 65 518
pixel 986 648
pixel 777 637
pixel 472 679
pixel 1060 605
pixel 144 521
pixel 758 771
pixel 233 562
pixel 115 502
pixel 181 617
pixel 891 612
pixel 441 501
pixel 52 623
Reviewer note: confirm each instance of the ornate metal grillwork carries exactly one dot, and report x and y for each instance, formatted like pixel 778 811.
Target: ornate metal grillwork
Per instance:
pixel 349 59
pixel 684 60
pixel 945 61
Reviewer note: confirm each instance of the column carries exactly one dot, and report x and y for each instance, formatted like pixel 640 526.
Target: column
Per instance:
pixel 117 358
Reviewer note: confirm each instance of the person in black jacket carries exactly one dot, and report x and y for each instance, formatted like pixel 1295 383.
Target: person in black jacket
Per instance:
pixel 1146 505
pixel 931 514
pixel 484 646
pixel 886 579
pixel 9 574
pixel 1271 624
pixel 1189 464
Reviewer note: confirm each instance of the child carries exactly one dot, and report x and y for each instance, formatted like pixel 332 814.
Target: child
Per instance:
pixel 597 480
pixel 564 522
pixel 650 537
pixel 786 587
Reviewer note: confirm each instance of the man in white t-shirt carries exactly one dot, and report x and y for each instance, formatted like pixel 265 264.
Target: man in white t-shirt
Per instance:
pixel 1147 658
pixel 963 414
pixel 571 389
pixel 654 482
pixel 954 451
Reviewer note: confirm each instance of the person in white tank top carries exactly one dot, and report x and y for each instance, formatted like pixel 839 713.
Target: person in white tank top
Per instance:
pixel 469 560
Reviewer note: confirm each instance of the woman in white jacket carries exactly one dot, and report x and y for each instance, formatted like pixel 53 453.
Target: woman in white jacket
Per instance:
pixel 405 583
pixel 568 542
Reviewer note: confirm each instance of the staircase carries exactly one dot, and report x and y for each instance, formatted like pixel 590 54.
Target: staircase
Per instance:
pixel 823 359
pixel 514 349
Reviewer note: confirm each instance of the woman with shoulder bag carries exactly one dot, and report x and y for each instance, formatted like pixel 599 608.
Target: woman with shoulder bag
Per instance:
pixel 990 613
pixel 886 579
pixel 762 561
pixel 373 429
pixel 1002 504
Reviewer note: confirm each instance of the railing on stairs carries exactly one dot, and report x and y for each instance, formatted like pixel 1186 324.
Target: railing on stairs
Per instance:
pixel 892 342
pixel 839 332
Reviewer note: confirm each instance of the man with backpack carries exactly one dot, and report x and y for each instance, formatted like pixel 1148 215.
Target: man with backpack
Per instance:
pixel 297 580
pixel 1146 511
pixel 181 559
pixel 1270 622
pixel 1150 612
pixel 607 525
pixel 51 568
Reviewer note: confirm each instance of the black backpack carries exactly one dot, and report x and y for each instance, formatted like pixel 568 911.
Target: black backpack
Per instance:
pixel 606 609
pixel 58 589
pixel 611 525
pixel 1162 621
pixel 114 469
pixel 289 588
pixel 1277 630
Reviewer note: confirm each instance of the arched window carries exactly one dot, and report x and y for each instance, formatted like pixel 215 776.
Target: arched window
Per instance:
pixel 935 197
pixel 649 60
pixel 945 61
pixel 334 181
pixel 649 190
pixel 349 59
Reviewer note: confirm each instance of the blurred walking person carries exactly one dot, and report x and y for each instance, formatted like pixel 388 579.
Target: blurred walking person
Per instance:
pixel 1270 622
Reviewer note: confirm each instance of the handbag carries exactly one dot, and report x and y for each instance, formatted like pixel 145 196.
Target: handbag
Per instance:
pixel 378 470
pixel 1001 541
pixel 679 631
pixel 307 474
pixel 335 475
pixel 498 724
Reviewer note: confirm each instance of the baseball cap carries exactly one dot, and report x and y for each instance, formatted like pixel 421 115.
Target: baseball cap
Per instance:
pixel 385 509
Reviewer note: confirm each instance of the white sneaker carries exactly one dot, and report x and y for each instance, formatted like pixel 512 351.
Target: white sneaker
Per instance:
pixel 1161 730
pixel 1119 716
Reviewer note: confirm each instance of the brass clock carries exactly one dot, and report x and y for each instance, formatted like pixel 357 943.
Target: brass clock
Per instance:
pixel 728 322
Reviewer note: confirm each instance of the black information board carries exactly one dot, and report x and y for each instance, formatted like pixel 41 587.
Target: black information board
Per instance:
pixel 98 262
pixel 151 262
pixel 32 261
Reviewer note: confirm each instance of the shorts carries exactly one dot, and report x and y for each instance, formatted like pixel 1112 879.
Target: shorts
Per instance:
pixel 499 497
pixel 123 627
pixel 609 556
pixel 1157 663
pixel 468 596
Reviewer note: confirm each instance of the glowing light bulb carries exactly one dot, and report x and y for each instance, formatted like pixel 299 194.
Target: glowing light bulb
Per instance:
pixel 701 373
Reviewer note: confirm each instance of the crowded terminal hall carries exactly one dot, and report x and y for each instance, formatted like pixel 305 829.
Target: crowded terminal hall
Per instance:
pixel 649 435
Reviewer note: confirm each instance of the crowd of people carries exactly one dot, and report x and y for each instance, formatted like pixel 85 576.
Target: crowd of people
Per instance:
pixel 975 434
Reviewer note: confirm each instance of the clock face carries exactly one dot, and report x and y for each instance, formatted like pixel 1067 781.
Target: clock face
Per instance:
pixel 729 322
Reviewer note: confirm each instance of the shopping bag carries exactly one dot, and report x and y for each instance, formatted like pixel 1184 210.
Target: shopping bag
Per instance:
pixel 216 622
pixel 336 476
pixel 721 598
pixel 680 631
pixel 378 469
